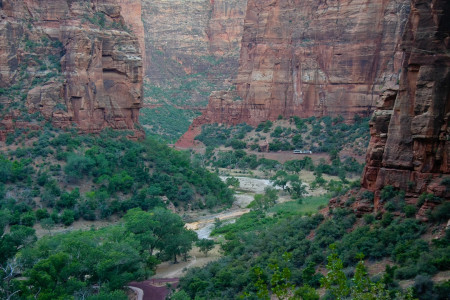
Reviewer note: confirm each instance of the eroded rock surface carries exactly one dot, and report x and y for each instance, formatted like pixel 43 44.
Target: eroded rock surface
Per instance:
pixel 312 58
pixel 410 143
pixel 74 63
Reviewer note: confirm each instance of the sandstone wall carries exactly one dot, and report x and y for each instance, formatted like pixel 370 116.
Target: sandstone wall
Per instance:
pixel 312 58
pixel 410 143
pixel 131 11
pixel 72 62
pixel 192 49
pixel 186 38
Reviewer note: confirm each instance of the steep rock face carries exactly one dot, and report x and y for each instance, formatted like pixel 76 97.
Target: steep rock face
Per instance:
pixel 131 11
pixel 410 143
pixel 192 49
pixel 226 26
pixel 313 58
pixel 72 62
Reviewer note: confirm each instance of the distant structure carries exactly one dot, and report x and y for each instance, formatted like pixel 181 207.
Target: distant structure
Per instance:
pixel 302 152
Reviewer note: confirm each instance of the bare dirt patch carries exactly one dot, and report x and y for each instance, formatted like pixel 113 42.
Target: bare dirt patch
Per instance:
pixel 197 259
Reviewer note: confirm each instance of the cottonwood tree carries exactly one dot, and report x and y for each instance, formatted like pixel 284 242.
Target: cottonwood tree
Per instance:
pixel 205 245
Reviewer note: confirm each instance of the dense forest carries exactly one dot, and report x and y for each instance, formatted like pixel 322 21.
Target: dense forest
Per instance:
pixel 67 176
pixel 294 255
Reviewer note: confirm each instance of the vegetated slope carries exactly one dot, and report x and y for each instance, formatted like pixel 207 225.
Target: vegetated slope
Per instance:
pixel 69 63
pixel 60 176
pixel 318 135
pixel 270 254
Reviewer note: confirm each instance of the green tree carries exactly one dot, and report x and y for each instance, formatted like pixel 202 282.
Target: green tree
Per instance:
pixel 281 179
pixel 232 181
pixel 335 281
pixel 78 166
pixel 264 201
pixel 68 217
pixel 205 245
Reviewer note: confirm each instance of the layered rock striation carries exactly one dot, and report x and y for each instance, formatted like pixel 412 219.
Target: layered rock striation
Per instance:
pixel 410 134
pixel 191 46
pixel 192 49
pixel 74 63
pixel 312 58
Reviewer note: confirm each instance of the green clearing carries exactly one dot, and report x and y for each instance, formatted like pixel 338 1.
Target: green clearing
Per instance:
pixel 309 205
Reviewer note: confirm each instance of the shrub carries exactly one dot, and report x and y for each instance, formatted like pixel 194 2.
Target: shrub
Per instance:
pixel 386 219
pixel 68 217
pixel 410 211
pixel 441 213
pixel 369 218
pixel 388 192
pixel 28 219
pixel 42 214
pixel 367 195
pixel 78 166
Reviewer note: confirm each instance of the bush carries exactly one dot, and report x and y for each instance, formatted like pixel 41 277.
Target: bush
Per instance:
pixel 367 195
pixel 369 218
pixel 410 211
pixel 68 217
pixel 78 166
pixel 386 219
pixel 388 192
pixel 42 213
pixel 28 219
pixel 441 213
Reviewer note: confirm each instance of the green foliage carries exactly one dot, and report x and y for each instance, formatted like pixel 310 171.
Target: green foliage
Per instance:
pixel 256 241
pixel 232 181
pixel 410 211
pixel 68 217
pixel 205 245
pixel 160 229
pixel 215 135
pixel 335 281
pixel 18 237
pixel 264 201
pixel 72 263
pixel 441 213
pixel 78 166
pixel 122 174
pixel 167 123
pixel 114 295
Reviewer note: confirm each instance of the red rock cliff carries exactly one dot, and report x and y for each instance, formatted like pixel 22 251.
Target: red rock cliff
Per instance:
pixel 312 58
pixel 410 143
pixel 131 11
pixel 72 62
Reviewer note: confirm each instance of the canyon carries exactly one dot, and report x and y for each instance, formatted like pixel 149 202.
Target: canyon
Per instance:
pixel 74 64
pixel 312 58
pixel 316 58
pixel 84 65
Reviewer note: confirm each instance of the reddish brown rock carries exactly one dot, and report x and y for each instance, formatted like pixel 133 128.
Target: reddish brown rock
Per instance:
pixel 226 26
pixel 198 42
pixel 131 11
pixel 410 144
pixel 73 62
pixel 313 58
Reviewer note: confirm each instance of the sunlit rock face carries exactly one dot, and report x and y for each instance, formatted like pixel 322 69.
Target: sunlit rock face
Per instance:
pixel 76 63
pixel 409 147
